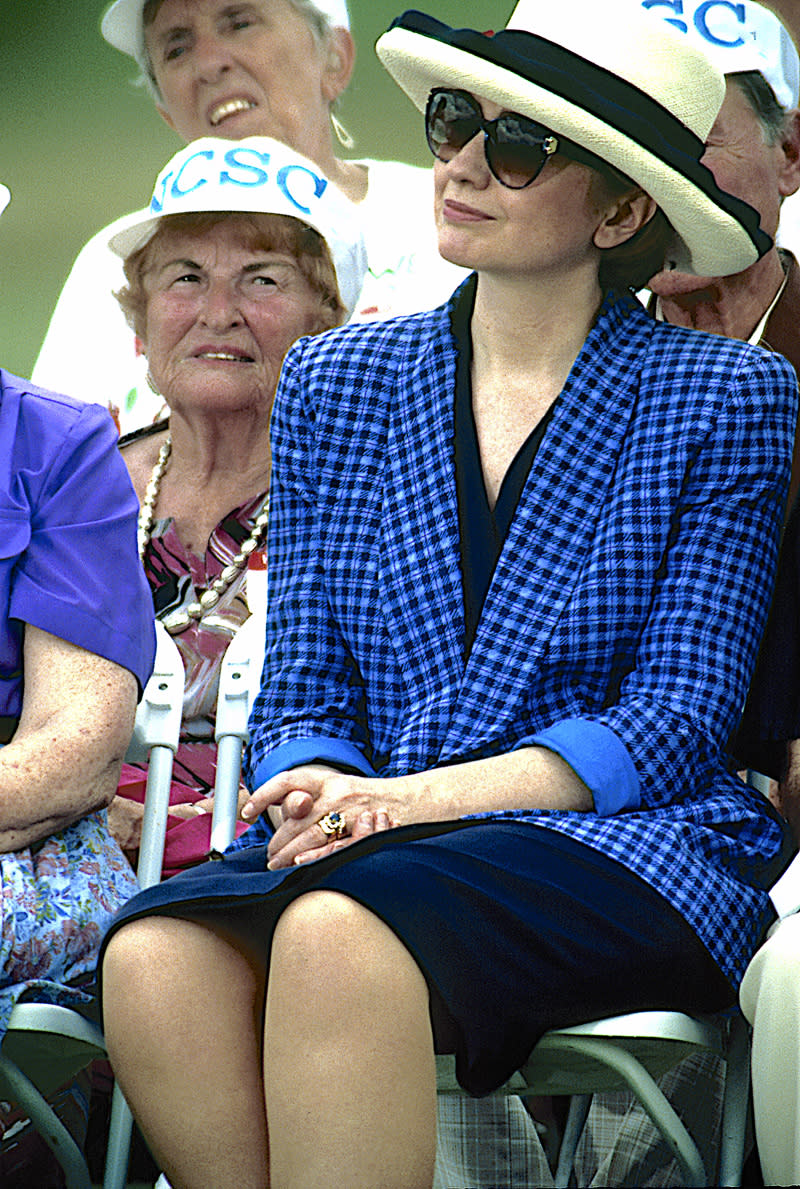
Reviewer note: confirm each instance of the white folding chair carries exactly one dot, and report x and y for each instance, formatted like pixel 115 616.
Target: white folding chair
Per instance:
pixel 47 1044
pixel 631 1052
pixel 240 678
pixel 155 741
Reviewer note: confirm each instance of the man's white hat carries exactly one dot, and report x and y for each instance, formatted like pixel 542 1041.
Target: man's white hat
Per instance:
pixel 737 37
pixel 255 175
pixel 5 197
pixel 122 25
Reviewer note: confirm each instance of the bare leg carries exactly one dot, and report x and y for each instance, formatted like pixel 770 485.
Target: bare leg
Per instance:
pixel 349 1066
pixel 183 1020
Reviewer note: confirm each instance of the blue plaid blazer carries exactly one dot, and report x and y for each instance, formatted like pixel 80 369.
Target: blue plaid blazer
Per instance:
pixel 631 591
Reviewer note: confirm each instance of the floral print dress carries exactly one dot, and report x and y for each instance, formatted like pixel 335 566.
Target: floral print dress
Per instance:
pixel 57 898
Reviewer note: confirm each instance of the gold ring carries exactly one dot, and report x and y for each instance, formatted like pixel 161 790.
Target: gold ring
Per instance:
pixel 333 825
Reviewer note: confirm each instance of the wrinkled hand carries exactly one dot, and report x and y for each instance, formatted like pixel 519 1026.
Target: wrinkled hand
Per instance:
pixel 187 809
pixel 190 809
pixel 125 818
pixel 125 823
pixel 306 794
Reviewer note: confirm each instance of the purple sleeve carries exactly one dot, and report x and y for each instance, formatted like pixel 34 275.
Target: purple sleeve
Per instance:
pixel 78 576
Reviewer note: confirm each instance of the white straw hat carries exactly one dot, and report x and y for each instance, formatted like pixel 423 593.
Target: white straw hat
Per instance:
pixel 615 80
pixel 5 197
pixel 254 175
pixel 738 37
pixel 122 25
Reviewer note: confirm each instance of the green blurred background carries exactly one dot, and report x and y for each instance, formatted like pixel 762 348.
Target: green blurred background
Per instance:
pixel 80 144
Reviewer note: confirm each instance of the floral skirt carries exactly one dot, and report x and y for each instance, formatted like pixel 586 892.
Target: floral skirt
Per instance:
pixel 57 899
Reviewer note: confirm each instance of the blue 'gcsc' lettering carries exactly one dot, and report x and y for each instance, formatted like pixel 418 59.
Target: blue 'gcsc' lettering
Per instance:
pixel 254 175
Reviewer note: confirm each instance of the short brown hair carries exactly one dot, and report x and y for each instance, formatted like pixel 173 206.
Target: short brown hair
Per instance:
pixel 632 264
pixel 261 233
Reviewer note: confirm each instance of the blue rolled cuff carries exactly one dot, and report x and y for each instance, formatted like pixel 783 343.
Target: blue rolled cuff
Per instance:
pixel 599 758
pixel 320 749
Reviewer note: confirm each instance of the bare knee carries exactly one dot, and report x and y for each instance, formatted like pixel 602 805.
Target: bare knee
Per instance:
pixel 143 950
pixel 153 964
pixel 317 916
pixel 138 969
pixel 327 940
pixel 324 928
pixel 128 953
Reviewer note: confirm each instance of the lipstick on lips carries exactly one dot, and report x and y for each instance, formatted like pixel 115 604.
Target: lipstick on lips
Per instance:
pixel 459 212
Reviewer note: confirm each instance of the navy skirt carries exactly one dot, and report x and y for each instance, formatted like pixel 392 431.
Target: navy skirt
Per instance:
pixel 517 929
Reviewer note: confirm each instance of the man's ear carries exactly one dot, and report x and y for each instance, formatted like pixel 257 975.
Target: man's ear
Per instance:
pixel 166 117
pixel 627 216
pixel 339 64
pixel 789 177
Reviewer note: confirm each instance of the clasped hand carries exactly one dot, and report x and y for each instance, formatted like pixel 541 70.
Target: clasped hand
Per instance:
pixel 296 800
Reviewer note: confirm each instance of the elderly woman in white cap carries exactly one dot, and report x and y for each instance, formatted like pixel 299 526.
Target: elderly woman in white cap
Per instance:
pixel 520 559
pixel 270 68
pixel 237 257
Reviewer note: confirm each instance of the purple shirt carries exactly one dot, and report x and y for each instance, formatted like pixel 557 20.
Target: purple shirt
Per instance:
pixel 68 558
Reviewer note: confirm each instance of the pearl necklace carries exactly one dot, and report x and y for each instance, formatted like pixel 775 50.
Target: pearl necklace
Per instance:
pixel 178 621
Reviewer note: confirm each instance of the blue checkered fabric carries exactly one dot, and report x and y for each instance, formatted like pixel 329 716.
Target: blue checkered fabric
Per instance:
pixel 631 591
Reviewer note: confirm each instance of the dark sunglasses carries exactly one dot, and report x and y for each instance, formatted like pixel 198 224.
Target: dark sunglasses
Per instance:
pixel 517 148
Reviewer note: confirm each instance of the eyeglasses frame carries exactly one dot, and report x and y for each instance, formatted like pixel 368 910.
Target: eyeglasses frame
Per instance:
pixel 549 144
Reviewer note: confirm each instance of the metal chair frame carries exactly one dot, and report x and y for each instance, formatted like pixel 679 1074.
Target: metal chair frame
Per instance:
pixel 157 738
pixel 46 1044
pixel 631 1052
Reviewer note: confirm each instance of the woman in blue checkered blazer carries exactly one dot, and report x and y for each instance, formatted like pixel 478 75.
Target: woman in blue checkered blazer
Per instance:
pixel 520 561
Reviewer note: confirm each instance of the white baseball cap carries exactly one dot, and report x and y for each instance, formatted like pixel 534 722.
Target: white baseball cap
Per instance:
pixel 5 197
pixel 254 175
pixel 737 37
pixel 122 25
